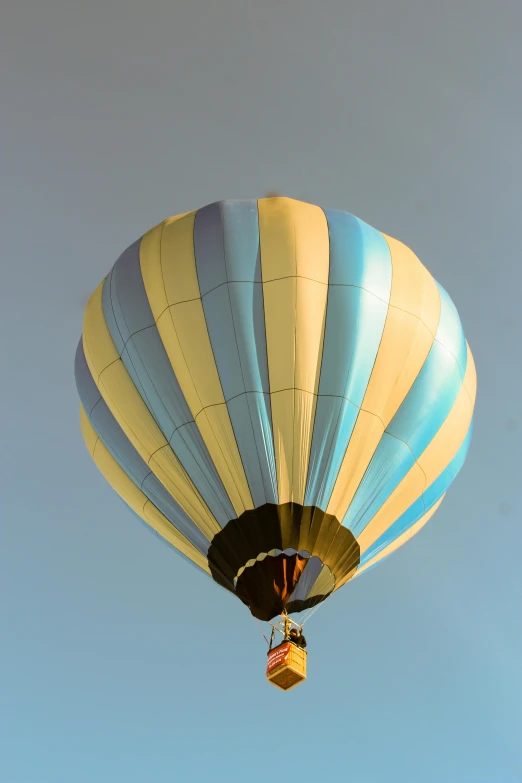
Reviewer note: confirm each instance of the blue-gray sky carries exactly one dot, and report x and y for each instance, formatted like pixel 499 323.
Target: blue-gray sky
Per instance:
pixel 116 114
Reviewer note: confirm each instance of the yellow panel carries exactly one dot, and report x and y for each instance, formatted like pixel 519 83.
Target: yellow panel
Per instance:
pixel 303 423
pixel 283 429
pixel 156 241
pixel 470 378
pixel 413 288
pixel 216 430
pixel 94 326
pixel 433 460
pixel 450 436
pixel 310 323
pixel 280 299
pixel 295 265
pixel 133 416
pixel 134 497
pixel 405 494
pixel 167 255
pixel 405 344
pixel 401 539
pixel 411 324
pixel 365 437
pixel 193 342
pixel 150 264
pixel 292 235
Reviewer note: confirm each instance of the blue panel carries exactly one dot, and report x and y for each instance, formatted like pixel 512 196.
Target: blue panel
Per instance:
pixel 250 417
pixel 209 247
pixel 390 463
pixel 226 244
pixel 420 416
pixel 226 241
pixel 87 389
pixel 441 484
pixel 359 255
pixel 220 325
pixel 246 303
pixel 435 389
pixel 133 330
pixel 125 282
pixel 147 364
pixel 119 446
pixel 354 325
pixel 421 506
pixel 188 446
pixel 334 422
pixel 355 318
pixel 132 327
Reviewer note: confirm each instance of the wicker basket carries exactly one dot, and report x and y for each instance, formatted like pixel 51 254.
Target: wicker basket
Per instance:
pixel 286 666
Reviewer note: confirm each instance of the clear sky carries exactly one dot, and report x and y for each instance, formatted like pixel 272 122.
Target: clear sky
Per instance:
pixel 120 662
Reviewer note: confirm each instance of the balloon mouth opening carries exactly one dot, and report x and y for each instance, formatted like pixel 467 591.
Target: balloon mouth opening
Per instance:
pixel 282 582
pixel 289 552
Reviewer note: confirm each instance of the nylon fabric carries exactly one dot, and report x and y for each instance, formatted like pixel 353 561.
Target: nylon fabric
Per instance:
pixel 131 413
pixel 134 497
pixel 131 325
pixel 167 253
pixel 282 392
pixel 411 324
pixel 226 244
pixel 116 442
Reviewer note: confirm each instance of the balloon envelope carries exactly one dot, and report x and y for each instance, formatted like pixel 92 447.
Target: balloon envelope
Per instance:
pixel 281 391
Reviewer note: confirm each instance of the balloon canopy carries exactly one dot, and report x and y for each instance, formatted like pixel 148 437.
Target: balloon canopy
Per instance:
pixel 280 391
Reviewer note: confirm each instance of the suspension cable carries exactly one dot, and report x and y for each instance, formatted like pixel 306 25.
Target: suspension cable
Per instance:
pixel 262 634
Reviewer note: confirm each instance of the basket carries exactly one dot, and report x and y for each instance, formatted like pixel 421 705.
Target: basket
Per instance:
pixel 286 666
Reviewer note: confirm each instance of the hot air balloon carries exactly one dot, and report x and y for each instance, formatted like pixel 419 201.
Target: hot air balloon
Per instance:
pixel 281 392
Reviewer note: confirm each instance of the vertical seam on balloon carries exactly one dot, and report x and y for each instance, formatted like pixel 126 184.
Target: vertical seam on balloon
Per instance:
pixel 109 281
pixel 321 365
pixel 295 363
pixel 470 398
pixel 274 477
pixel 95 444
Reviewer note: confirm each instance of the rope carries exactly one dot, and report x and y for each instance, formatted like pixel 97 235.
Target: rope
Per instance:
pixel 311 613
pixel 262 634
